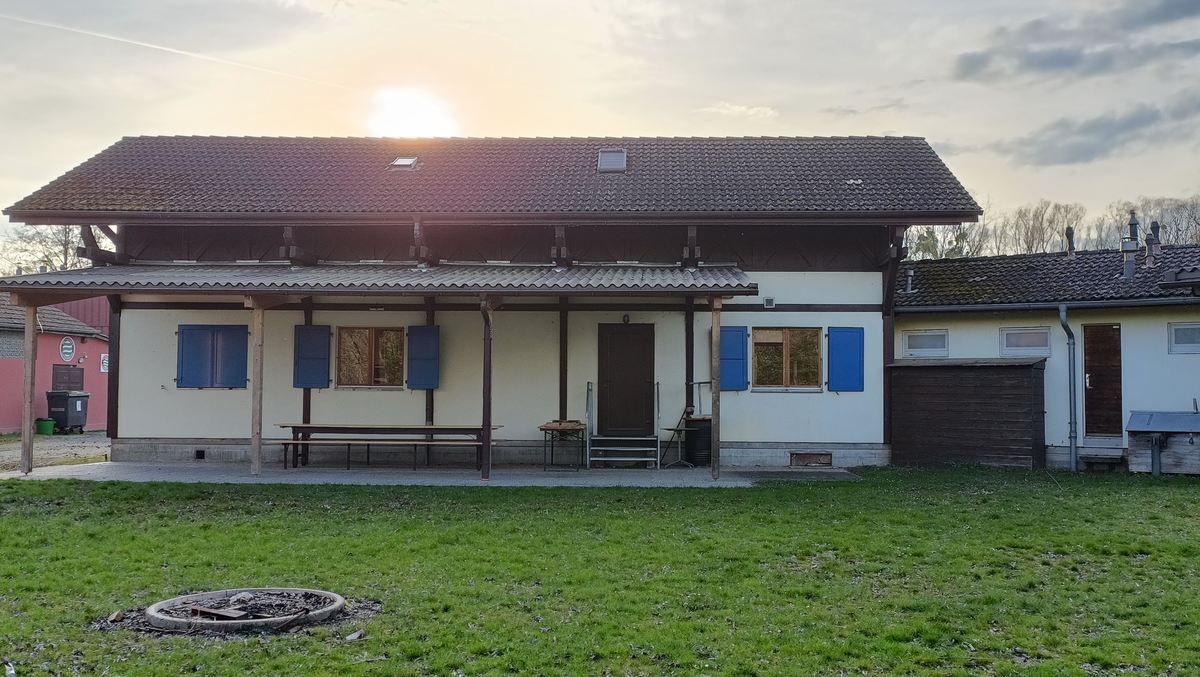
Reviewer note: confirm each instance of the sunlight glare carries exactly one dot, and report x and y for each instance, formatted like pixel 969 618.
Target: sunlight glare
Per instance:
pixel 410 111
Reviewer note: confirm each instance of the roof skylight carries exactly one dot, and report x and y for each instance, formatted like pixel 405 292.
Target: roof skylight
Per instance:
pixel 405 162
pixel 611 160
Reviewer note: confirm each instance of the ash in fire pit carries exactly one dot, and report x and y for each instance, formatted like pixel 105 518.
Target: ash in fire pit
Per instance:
pixel 245 609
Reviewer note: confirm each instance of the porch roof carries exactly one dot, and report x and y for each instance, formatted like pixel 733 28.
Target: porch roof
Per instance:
pixel 396 278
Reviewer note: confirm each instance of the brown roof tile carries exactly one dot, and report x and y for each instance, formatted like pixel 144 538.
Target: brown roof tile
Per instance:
pixel 50 319
pixel 395 278
pixel 507 175
pixel 1091 276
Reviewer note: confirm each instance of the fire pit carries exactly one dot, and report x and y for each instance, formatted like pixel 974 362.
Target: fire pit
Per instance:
pixel 245 609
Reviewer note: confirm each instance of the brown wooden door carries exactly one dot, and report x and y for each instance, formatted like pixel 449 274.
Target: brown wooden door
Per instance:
pixel 1102 380
pixel 625 396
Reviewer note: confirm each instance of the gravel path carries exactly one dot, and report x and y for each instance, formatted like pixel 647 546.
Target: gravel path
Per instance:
pixel 56 449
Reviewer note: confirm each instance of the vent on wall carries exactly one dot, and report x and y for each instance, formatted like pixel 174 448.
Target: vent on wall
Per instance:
pixel 611 160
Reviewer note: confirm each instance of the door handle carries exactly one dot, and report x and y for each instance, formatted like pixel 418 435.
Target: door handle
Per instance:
pixel 1087 381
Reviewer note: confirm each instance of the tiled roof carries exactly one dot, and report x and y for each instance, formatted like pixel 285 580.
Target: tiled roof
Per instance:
pixel 395 278
pixel 1091 276
pixel 50 319
pixel 507 175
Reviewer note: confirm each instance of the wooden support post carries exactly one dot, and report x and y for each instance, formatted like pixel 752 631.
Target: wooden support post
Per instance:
pixel 114 365
pixel 430 320
pixel 715 378
pixel 306 394
pixel 31 337
pixel 562 358
pixel 257 329
pixel 689 356
pixel 485 307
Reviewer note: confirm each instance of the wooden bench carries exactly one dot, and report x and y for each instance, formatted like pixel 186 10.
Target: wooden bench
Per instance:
pixel 368 443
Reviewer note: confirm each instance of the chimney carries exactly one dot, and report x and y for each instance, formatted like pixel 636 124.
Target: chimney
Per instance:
pixel 908 280
pixel 1153 248
pixel 41 269
pixel 20 270
pixel 1129 247
pixel 1070 242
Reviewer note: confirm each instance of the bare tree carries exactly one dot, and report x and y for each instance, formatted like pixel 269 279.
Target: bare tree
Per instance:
pixel 31 247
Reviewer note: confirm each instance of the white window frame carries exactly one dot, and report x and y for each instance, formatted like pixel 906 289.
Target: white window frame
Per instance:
pixel 1186 348
pixel 1006 351
pixel 924 352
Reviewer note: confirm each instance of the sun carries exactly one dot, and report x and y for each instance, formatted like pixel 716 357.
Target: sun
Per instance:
pixel 410 111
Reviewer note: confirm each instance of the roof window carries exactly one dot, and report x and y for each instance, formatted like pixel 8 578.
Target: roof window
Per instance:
pixel 405 162
pixel 611 160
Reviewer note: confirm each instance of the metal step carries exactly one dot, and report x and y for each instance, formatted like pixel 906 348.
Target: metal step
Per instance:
pixel 647 438
pixel 648 450
pixel 623 459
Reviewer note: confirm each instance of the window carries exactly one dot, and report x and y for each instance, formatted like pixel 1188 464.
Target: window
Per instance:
pixel 787 358
pixel 212 356
pixel 1015 341
pixel 611 160
pixel 371 357
pixel 405 162
pixel 926 343
pixel 1185 338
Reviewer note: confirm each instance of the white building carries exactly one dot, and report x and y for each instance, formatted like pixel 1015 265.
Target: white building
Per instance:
pixel 1137 339
pixel 463 293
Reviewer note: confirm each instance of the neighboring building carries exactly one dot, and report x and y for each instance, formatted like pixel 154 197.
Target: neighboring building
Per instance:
pixel 1138 340
pixel 70 356
pixel 599 264
pixel 93 312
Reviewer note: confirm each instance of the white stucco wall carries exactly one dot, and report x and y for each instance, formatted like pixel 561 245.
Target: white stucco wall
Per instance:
pixel 1151 377
pixel 526 369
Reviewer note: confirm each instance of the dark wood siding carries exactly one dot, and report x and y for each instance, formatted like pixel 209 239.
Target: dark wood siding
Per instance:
pixel 767 248
pixel 985 414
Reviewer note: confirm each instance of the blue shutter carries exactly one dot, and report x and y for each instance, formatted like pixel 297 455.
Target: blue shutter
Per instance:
pixel 230 352
pixel 846 359
pixel 424 357
pixel 734 365
pixel 310 363
pixel 195 362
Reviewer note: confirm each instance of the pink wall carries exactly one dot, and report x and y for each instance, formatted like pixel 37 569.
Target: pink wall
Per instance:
pixel 12 378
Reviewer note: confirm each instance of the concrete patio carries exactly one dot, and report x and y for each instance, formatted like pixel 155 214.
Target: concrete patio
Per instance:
pixel 221 473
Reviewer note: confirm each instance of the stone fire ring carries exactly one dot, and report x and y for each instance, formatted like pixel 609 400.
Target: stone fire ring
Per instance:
pixel 159 620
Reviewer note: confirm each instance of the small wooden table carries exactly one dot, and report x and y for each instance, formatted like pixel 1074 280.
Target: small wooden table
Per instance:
pixel 561 431
pixel 380 435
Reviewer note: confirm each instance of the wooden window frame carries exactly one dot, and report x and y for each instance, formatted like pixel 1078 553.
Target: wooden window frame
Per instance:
pixel 1006 351
pixel 924 352
pixel 1181 349
pixel 372 351
pixel 787 348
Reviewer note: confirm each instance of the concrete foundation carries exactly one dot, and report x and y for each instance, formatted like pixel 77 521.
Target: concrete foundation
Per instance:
pixel 504 452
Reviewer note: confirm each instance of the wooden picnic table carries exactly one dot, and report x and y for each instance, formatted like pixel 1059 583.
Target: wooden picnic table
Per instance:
pixel 381 435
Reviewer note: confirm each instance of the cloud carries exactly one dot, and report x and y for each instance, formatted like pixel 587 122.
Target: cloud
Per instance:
pixel 890 104
pixel 1094 44
pixel 1066 141
pixel 737 110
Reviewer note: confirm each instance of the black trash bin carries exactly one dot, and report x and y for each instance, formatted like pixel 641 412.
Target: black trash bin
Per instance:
pixel 68 408
pixel 698 443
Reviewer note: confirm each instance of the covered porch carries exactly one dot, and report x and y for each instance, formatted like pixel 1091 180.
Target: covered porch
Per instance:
pixel 522 306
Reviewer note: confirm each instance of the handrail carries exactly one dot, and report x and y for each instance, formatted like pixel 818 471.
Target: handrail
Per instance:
pixel 657 425
pixel 589 424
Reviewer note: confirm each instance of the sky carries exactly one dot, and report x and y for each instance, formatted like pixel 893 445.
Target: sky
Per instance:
pixel 1088 101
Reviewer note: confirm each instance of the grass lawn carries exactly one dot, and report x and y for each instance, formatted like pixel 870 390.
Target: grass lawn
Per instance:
pixel 946 571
